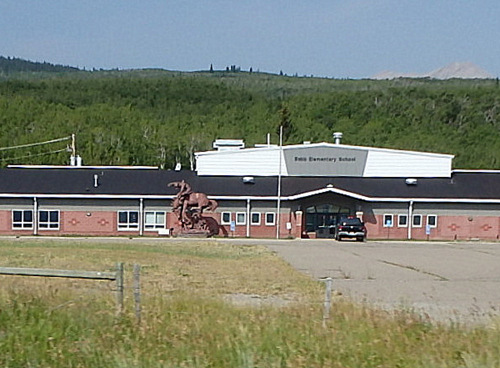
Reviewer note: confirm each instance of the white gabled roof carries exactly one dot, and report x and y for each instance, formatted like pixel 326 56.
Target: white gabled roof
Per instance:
pixel 324 144
pixel 324 159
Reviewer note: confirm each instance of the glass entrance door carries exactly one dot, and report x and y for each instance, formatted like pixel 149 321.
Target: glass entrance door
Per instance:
pixel 322 219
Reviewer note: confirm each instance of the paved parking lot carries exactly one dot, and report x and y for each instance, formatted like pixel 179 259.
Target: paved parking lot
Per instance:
pixel 447 281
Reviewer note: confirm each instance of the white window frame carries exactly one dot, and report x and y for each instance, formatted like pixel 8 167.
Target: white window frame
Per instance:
pixel 222 222
pixel 392 220
pixel 255 223
pixel 241 215
pixel 128 226
pixel 49 225
pixel 154 225
pixel 413 221
pixel 24 224
pixel 435 222
pixel 399 220
pixel 272 223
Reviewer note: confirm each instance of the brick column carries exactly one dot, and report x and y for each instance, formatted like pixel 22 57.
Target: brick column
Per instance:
pixel 298 226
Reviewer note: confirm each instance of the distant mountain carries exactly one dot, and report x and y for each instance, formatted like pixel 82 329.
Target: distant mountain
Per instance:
pixel 458 70
pixel 10 65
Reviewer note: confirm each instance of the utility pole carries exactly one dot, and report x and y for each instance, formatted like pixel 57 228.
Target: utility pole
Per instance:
pixel 73 145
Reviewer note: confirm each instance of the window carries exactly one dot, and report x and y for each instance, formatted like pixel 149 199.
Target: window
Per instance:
pixel 128 220
pixel 388 221
pixel 402 220
pixel 154 220
pixel 270 218
pixel 417 220
pixel 432 220
pixel 22 219
pixel 225 218
pixel 48 220
pixel 241 218
pixel 255 218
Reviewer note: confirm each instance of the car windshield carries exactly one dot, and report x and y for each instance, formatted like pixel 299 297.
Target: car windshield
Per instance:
pixel 351 221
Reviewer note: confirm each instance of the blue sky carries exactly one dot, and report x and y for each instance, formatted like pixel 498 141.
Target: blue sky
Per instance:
pixel 341 39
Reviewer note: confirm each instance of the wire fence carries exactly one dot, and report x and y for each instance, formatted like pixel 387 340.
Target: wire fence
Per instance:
pixel 120 288
pixel 116 276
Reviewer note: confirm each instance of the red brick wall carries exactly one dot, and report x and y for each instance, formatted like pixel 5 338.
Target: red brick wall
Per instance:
pixel 5 221
pixel 448 228
pixel 468 227
pixel 104 223
pixel 97 223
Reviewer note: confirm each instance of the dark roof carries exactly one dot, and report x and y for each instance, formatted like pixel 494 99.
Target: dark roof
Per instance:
pixel 466 185
pixel 122 182
pixel 147 182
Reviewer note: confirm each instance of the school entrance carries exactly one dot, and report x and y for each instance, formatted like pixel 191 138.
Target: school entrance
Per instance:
pixel 323 218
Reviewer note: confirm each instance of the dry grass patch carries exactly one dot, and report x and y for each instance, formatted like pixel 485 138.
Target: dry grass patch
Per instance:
pixel 186 322
pixel 204 267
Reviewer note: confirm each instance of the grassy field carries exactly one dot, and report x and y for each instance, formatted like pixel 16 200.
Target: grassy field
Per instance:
pixel 206 304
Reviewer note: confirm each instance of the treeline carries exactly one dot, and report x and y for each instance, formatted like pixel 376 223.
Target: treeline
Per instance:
pixel 161 118
pixel 10 65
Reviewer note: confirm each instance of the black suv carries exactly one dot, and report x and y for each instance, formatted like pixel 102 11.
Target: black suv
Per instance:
pixel 350 227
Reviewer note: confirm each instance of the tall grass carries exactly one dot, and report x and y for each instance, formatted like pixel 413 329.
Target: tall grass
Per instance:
pixel 187 323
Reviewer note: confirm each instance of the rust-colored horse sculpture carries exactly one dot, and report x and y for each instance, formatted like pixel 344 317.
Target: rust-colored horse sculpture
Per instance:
pixel 188 206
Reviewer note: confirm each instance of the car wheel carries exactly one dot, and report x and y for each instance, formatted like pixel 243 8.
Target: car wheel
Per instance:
pixel 360 238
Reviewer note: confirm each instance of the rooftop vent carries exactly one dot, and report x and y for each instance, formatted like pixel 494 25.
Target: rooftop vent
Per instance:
pixel 337 137
pixel 75 161
pixel 411 181
pixel 228 144
pixel 248 180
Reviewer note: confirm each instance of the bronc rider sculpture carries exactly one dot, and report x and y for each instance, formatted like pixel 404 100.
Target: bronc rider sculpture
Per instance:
pixel 188 206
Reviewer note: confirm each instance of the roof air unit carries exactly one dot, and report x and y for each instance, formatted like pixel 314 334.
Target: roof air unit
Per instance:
pixel 228 144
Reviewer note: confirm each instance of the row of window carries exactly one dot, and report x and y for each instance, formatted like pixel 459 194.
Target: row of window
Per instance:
pixel 129 220
pixel 240 218
pixel 23 219
pixel 417 220
pixel 49 220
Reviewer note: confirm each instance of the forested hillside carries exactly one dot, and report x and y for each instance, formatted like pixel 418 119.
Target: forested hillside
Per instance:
pixel 10 66
pixel 154 117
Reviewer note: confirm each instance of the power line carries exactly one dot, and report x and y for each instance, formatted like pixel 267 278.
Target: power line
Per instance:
pixel 37 155
pixel 35 144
